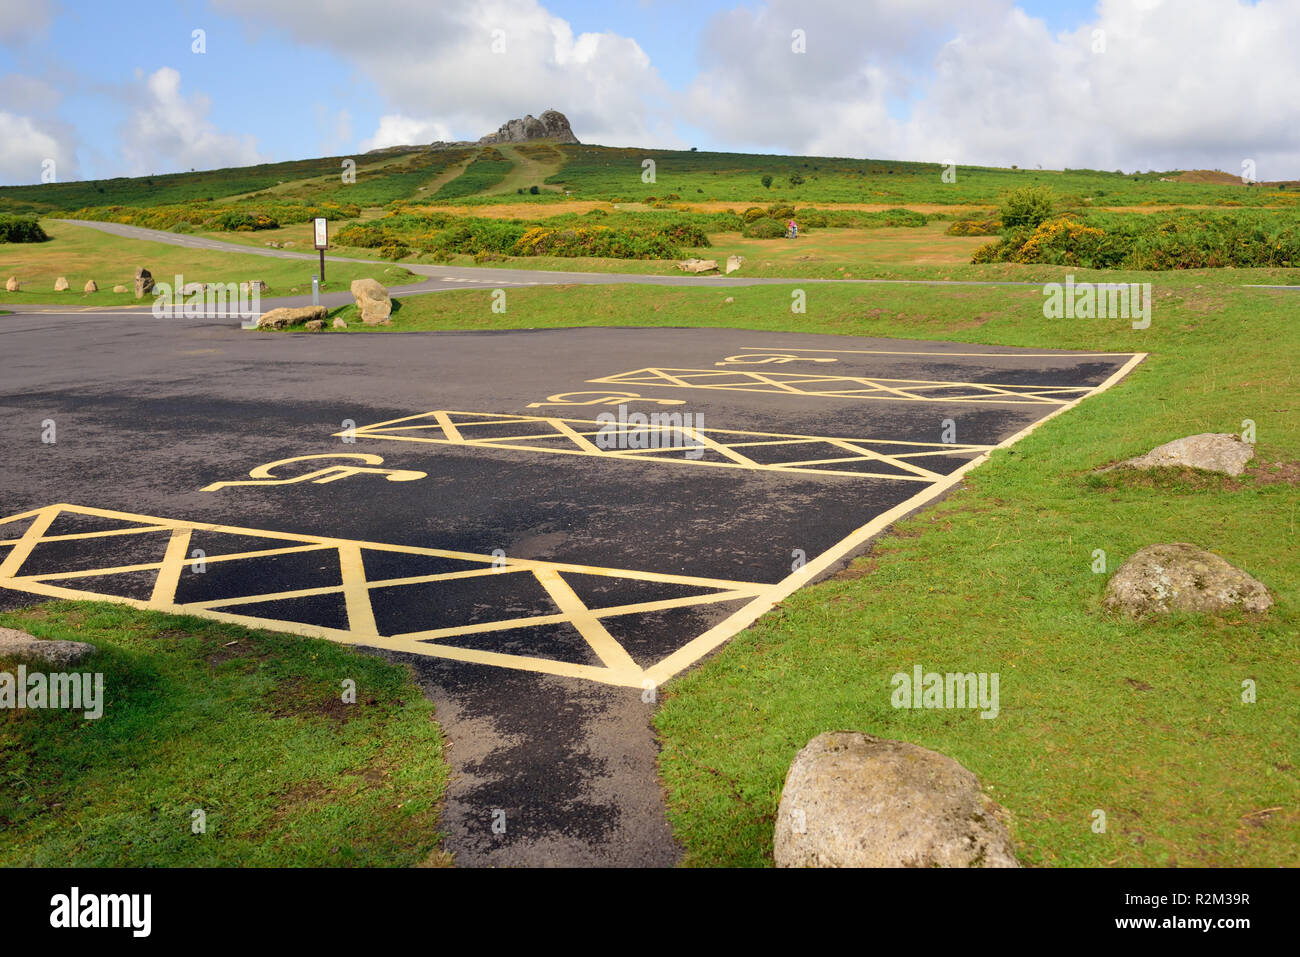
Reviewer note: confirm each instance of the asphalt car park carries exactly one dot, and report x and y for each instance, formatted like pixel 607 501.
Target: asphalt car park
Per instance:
pixel 548 525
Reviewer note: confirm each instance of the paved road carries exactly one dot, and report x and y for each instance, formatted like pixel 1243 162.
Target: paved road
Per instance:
pixel 542 581
pixel 442 278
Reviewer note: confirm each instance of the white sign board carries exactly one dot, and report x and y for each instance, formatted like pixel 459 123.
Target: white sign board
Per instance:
pixel 320 233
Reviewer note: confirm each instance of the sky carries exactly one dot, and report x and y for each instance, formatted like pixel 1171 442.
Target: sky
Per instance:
pixel 91 89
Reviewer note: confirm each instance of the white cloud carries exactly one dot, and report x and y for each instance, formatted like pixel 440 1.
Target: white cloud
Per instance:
pixel 335 130
pixel 1186 84
pixel 166 131
pixel 23 20
pixel 25 148
pixel 396 130
pixel 439 68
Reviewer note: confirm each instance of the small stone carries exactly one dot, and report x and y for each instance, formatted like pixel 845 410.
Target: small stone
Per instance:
pixel 58 654
pixel 91 286
pixel 853 800
pixel 119 289
pixel 697 265
pixel 730 299
pixel 1210 451
pixel 285 317
pixel 61 284
pixel 315 325
pixel 1177 576
pixel 339 323
pixel 373 301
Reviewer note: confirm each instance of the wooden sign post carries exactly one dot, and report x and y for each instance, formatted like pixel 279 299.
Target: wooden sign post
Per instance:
pixel 321 243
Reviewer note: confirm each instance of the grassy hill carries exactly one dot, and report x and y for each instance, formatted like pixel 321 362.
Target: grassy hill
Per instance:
pixel 616 174
pixel 545 200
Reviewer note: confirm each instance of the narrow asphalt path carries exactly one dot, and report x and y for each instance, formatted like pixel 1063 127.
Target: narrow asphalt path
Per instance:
pixel 443 278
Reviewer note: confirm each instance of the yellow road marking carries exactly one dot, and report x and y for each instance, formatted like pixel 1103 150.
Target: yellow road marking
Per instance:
pixel 14 560
pixel 607 649
pixel 361 617
pixel 169 575
pixel 723 442
pixel 863 387
pixel 742 618
pixel 964 355
pixel 618 668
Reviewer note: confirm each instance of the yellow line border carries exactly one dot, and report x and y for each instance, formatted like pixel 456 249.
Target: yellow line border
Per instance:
pixel 742 618
pixel 618 666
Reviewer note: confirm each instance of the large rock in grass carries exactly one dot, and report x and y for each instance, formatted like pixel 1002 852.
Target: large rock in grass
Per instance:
pixel 1159 579
pixel 61 284
pixel 734 263
pixel 285 317
pixel 56 654
pixel 697 265
pixel 143 282
pixel 13 285
pixel 551 125
pixel 91 286
pixel 853 800
pixel 1211 451
pixel 373 301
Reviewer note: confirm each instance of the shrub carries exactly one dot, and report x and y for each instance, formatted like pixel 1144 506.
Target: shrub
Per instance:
pixel 753 213
pixel 393 251
pixel 974 227
pixel 18 229
pixel 766 228
pixel 796 179
pixel 780 211
pixel 1027 206
pixel 365 237
pixel 237 220
pixel 534 190
pixel 767 182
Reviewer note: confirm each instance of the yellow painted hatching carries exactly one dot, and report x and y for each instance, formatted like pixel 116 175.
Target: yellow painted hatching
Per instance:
pixel 617 666
pixel 851 387
pixel 668 443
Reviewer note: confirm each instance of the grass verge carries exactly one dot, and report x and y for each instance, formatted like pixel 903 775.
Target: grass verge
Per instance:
pixel 1141 720
pixel 247 726
pixel 79 253
pixel 1144 721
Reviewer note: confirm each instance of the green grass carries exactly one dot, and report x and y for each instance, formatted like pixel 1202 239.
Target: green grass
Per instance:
pixel 80 253
pixel 594 172
pixel 248 726
pixel 170 187
pixel 1143 721
pixel 488 170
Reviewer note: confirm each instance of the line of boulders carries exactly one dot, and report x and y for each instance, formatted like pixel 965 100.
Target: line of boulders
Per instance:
pixel 373 303
pixel 1178 576
pixel 854 800
pixel 143 284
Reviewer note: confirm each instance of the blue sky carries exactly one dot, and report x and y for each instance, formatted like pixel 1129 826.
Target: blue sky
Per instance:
pixel 286 79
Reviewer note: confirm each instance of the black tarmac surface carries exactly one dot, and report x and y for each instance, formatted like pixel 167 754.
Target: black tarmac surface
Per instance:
pixel 149 413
